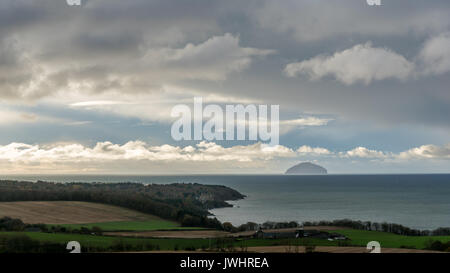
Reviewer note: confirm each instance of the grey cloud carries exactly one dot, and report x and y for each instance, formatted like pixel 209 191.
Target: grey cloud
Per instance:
pixel 361 63
pixel 94 44
pixel 16 71
pixel 365 63
pixel 435 55
pixel 316 20
pixel 110 45
pixel 212 59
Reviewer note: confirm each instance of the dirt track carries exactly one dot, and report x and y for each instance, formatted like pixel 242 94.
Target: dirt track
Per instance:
pixel 69 212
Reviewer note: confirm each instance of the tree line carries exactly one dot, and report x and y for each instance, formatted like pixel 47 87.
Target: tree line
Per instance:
pixel 361 225
pixel 384 227
pixel 184 203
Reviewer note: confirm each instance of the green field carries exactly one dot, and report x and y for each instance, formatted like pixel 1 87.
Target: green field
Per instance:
pixel 108 241
pixel 130 225
pixel 357 238
pixel 163 244
pixel 389 240
pixel 278 242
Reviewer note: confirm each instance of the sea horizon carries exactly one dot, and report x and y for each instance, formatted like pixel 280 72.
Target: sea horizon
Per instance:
pixel 216 174
pixel 414 200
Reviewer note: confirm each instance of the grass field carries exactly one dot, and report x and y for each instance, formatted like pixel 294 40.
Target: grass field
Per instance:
pixel 357 237
pixel 107 241
pixel 362 237
pixel 277 242
pixel 163 244
pixel 131 225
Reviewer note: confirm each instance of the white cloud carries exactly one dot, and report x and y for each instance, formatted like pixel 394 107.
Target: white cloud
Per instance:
pixel 361 63
pixel 8 117
pixel 313 150
pixel 11 117
pixel 204 157
pixel 78 123
pixel 155 106
pixel 96 103
pixel 306 121
pixel 363 152
pixel 105 156
pixel 427 152
pixel 435 55
pixel 423 152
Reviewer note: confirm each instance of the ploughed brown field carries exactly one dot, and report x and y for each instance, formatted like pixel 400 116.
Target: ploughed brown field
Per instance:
pixel 69 212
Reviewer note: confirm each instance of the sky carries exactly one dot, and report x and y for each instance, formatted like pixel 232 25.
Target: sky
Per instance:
pixel 89 89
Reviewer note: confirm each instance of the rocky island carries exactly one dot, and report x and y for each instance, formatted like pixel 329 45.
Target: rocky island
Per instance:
pixel 306 168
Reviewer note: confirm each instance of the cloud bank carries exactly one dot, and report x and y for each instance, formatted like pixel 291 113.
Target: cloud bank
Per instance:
pixel 142 157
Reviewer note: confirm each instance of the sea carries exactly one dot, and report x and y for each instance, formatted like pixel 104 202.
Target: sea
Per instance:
pixel 420 201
